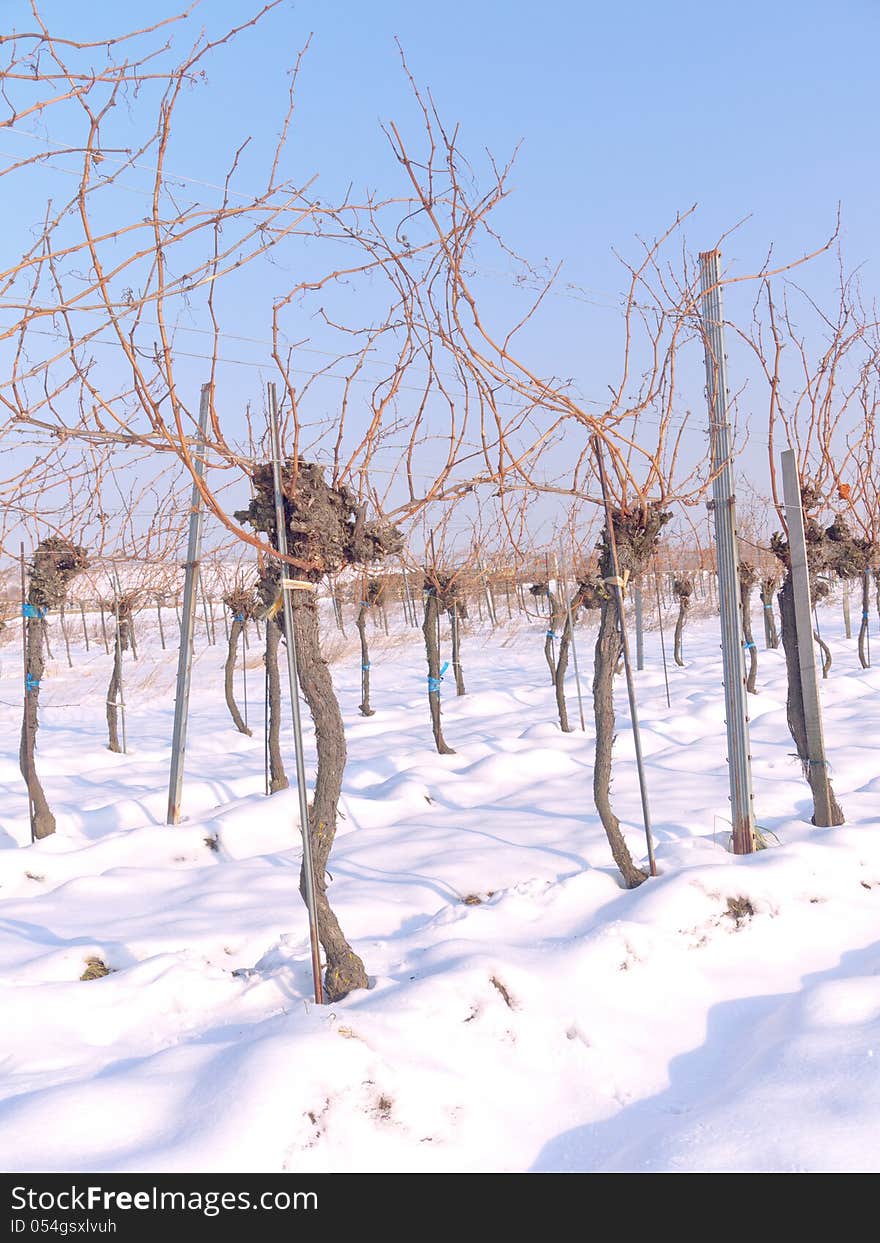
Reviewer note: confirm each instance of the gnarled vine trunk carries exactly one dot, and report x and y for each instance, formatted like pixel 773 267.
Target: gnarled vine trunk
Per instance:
pixel 54 564
pixel 682 589
pixel 609 650
pixel 43 821
pixel 556 627
pixel 560 670
pixel 863 628
pixel 748 576
pixel 361 624
pixel 797 723
pixel 636 533
pixel 236 630
pixel 826 654
pixel 121 644
pixel 454 614
pixel 277 775
pixel 430 629
pixel 771 634
pixel 344 969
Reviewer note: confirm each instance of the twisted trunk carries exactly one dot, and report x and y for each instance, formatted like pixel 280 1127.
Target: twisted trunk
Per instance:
pixel 277 775
pixel 235 633
pixel 361 623
pixel 454 621
pixel 745 596
pixel 559 678
pixel 120 645
pixel 430 628
pixel 65 636
pixel 863 628
pixel 344 970
pixel 608 652
pixel 555 625
pixel 42 820
pixel 797 722
pixel 771 634
pixel 826 653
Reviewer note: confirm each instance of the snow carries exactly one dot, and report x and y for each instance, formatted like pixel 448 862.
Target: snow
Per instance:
pixel 723 1016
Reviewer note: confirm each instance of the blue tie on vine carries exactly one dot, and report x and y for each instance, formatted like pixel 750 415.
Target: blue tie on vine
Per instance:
pixel 434 683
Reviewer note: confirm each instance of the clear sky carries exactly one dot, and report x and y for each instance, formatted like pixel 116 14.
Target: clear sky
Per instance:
pixel 626 114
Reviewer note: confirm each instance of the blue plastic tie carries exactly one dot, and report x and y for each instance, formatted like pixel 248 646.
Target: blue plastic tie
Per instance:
pixel 769 607
pixel 365 604
pixel 864 617
pixel 748 645
pixel 551 634
pixel 365 667
pixel 31 610
pixel 31 683
pixel 434 683
pixel 239 617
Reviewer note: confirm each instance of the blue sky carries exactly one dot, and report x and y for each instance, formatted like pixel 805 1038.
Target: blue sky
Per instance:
pixel 626 114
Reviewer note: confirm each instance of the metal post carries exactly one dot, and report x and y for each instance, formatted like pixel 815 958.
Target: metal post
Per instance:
pixel 293 678
pixel 724 507
pixel 104 630
pixel 624 643
pixel 800 582
pixel 490 603
pixel 767 610
pixel 574 653
pixel 208 632
pixel 266 724
pixel 847 622
pixel 82 613
pixel 117 657
pixel 662 636
pixel 414 621
pixel 640 629
pixel 244 668
pixel 866 618
pixel 188 619
pixel 65 635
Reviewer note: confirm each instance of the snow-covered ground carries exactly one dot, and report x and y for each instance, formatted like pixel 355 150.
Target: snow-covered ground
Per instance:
pixel 526 1013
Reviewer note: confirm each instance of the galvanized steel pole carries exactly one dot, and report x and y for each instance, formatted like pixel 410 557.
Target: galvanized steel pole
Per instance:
pixel 724 508
pixel 293 677
pixel 574 654
pixel 117 656
pixel 187 621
